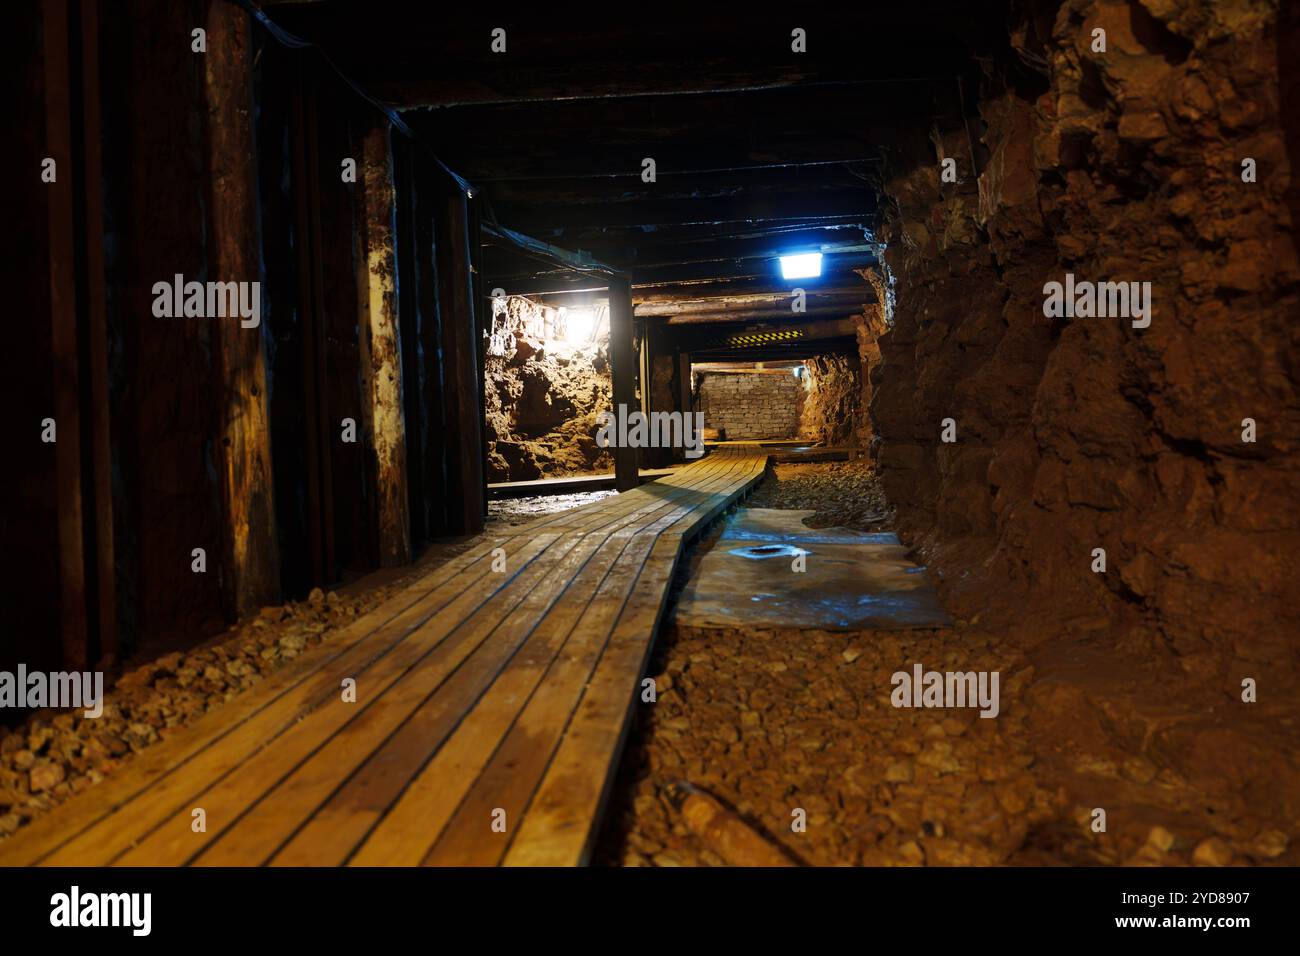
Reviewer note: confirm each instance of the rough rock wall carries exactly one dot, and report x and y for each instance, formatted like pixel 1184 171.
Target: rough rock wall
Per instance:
pixel 761 404
pixel 871 325
pixel 833 408
pixel 1083 433
pixel 541 412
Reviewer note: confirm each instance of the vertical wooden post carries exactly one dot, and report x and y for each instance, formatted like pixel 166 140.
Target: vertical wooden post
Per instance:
pixel 63 339
pixel 683 382
pixel 307 305
pixel 99 482
pixel 410 323
pixel 429 206
pixel 461 373
pixel 646 457
pixel 622 360
pixel 381 352
pixel 251 558
pixel 682 398
pixel 320 337
pixel 478 295
pixel 658 370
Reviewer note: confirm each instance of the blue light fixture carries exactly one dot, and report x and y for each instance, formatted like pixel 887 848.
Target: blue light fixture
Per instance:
pixel 806 265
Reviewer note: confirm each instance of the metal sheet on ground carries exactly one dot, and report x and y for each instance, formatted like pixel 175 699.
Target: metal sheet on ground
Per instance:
pixel 851 580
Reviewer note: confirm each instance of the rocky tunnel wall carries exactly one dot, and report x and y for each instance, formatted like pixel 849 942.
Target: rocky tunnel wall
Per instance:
pixel 1171 446
pixel 545 389
pixel 838 394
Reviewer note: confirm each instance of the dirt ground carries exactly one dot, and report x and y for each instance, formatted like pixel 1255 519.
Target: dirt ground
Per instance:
pixel 843 494
pixel 771 722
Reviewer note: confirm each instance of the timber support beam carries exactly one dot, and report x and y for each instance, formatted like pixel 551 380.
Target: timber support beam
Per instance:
pixel 381 353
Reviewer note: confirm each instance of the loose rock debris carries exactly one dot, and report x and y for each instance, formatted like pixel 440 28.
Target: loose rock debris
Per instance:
pixel 770 721
pixel 513 512
pixel 845 494
pixel 777 721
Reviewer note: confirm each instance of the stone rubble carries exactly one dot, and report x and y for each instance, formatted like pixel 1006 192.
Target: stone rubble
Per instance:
pixel 513 512
pixel 844 494
pixel 771 721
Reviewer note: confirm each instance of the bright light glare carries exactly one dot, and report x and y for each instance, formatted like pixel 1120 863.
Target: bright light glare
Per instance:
pixel 580 326
pixel 805 266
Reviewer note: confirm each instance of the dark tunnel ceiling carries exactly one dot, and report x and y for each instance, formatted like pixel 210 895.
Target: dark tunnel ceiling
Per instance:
pixel 759 150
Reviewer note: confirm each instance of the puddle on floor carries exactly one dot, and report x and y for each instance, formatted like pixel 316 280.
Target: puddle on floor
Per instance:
pixel 767 569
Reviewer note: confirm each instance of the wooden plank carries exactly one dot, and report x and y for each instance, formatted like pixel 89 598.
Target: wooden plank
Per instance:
pixel 175 754
pixel 461 372
pixel 470 653
pixel 409 608
pixel 477 296
pixel 63 339
pixel 264 801
pixel 250 550
pixel 96 332
pixel 320 349
pixel 682 392
pixel 426 805
pixel 381 351
pixel 345 820
pixel 382 655
pixel 36 841
pixel 644 209
pixel 437 501
pixel 622 361
pixel 241 784
pixel 508 780
pixel 559 824
pixel 304 213
pixel 416 360
pixel 474 695
pixel 567 486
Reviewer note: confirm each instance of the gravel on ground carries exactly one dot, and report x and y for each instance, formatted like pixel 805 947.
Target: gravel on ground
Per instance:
pixel 843 494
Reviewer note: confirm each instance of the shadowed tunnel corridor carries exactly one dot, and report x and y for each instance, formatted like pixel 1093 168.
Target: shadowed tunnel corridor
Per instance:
pixel 455 437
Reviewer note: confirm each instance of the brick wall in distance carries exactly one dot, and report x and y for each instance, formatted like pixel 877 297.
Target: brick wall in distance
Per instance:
pixel 752 403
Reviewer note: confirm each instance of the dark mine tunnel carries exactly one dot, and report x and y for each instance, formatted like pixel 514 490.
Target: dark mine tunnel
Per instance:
pixel 817 438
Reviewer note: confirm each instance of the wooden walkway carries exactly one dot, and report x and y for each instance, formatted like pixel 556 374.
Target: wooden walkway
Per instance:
pixel 478 691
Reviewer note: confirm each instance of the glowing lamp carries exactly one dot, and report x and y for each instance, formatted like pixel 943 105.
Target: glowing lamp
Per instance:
pixel 804 266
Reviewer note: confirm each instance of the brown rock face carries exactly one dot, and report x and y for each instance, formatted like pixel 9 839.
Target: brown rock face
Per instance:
pixel 1078 433
pixel 542 412
pixel 833 410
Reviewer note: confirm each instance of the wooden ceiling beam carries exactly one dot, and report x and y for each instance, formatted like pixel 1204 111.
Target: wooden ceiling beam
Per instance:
pixel 836 268
pixel 752 180
pixel 646 250
pixel 685 156
pixel 780 300
pixel 817 204
pixel 845 281
pixel 655 118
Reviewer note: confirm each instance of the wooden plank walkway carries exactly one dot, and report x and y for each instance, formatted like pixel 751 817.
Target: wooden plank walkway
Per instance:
pixel 478 691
